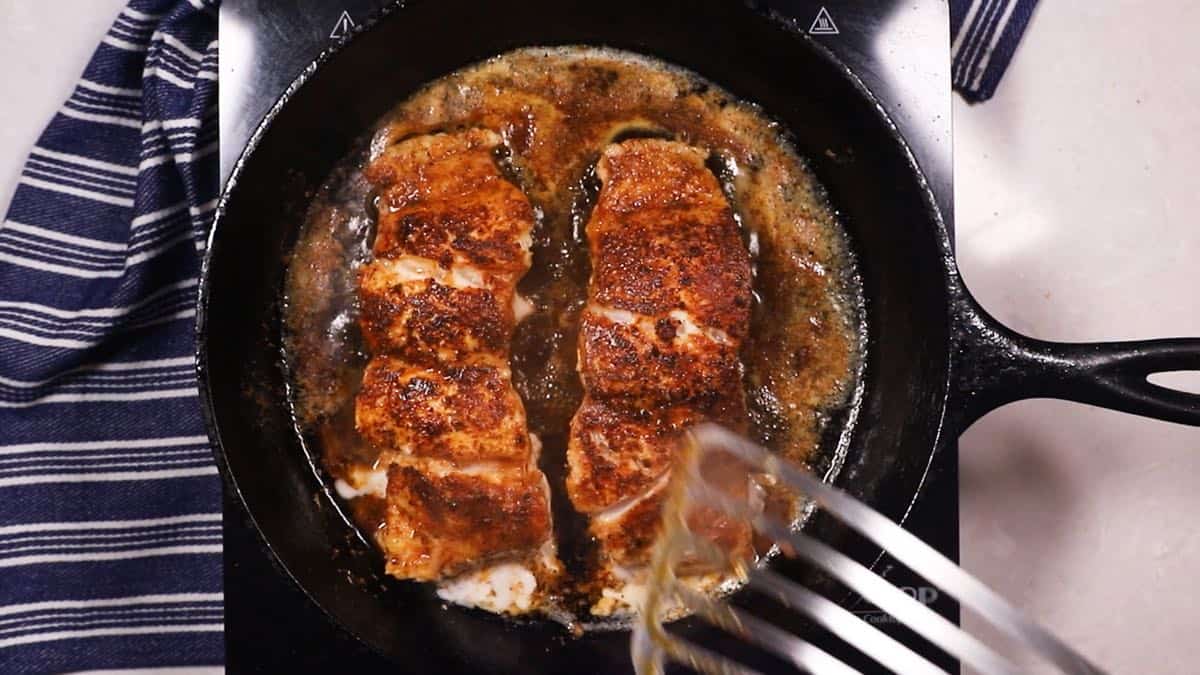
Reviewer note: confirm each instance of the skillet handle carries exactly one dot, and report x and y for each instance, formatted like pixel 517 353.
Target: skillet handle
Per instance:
pixel 995 365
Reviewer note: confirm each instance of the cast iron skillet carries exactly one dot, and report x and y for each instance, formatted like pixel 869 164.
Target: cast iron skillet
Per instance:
pixel 935 360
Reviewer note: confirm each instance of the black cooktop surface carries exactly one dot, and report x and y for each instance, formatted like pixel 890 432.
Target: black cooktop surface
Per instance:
pixel 900 49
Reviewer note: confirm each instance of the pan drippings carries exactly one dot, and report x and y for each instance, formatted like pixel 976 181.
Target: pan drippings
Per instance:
pixel 556 110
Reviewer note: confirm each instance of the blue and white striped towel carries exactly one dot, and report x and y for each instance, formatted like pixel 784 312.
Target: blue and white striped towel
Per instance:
pixel 984 35
pixel 110 523
pixel 110 510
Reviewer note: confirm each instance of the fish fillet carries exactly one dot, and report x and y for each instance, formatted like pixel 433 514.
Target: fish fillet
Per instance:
pixel 668 310
pixel 438 308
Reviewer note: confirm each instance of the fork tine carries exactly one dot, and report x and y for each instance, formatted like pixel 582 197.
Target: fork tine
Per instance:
pixel 918 617
pixel 866 638
pixel 702 659
pixel 800 653
pixel 646 655
pixel 928 623
pixel 903 546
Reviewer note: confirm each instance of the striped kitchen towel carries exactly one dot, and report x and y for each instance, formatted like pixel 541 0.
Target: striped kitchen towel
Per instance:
pixel 984 35
pixel 110 509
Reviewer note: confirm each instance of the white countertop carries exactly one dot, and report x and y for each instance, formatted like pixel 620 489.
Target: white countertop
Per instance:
pixel 1078 215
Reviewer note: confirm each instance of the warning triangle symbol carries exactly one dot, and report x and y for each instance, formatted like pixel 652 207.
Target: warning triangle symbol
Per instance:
pixel 344 25
pixel 823 24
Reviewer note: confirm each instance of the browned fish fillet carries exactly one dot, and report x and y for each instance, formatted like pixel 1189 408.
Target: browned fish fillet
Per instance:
pixel 618 453
pixel 664 238
pixel 463 414
pixel 645 361
pixel 412 307
pixel 669 307
pixel 627 534
pixel 443 198
pixel 441 520
pixel 438 307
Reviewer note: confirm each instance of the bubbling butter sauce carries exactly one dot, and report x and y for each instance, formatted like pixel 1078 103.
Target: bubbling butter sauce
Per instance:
pixel 556 109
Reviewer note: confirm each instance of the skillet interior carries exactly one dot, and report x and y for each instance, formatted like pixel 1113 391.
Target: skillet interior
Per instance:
pixel 880 197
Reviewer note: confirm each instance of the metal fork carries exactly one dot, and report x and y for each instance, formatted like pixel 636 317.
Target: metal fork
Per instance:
pixel 692 487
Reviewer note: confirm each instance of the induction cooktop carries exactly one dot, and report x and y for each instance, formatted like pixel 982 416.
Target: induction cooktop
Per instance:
pixel 901 51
